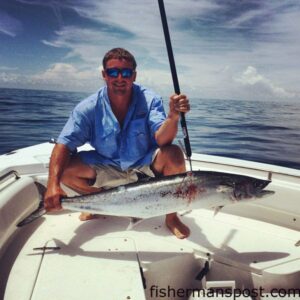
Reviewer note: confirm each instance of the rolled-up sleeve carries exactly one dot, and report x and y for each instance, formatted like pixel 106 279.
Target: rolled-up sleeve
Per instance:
pixel 157 115
pixel 76 131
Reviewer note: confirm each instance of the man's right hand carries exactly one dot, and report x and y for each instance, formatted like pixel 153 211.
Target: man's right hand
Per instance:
pixel 59 160
pixel 52 198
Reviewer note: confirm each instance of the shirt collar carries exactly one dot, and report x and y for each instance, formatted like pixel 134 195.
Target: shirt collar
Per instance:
pixel 107 112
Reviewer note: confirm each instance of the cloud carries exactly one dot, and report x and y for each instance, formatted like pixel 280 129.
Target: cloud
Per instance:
pixel 3 68
pixel 9 25
pixel 59 76
pixel 156 79
pixel 142 35
pixel 85 44
pixel 6 78
pixel 262 85
pixel 212 41
pixel 64 76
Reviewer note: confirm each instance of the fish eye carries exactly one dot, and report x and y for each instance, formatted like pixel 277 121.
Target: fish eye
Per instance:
pixel 257 184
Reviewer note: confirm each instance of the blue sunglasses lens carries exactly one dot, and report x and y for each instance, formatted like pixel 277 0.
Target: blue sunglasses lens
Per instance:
pixel 126 73
pixel 114 72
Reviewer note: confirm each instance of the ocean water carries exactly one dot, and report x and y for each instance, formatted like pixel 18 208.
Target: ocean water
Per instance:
pixel 259 131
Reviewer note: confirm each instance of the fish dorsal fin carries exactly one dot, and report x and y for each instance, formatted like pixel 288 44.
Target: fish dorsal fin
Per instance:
pixel 217 209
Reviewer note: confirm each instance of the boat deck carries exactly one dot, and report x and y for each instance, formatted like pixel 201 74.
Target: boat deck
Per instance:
pixel 251 245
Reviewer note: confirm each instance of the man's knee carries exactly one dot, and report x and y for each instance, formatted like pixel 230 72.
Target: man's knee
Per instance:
pixel 173 154
pixel 77 169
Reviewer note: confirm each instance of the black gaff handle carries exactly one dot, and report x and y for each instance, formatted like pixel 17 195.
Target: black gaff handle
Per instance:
pixel 174 75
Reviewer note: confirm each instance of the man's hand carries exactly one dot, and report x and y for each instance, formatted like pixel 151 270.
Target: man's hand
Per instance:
pixel 52 198
pixel 178 104
pixel 168 130
pixel 60 158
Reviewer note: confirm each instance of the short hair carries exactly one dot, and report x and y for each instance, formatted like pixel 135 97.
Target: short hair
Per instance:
pixel 119 53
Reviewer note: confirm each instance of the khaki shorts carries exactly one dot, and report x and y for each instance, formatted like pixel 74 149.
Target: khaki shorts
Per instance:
pixel 109 176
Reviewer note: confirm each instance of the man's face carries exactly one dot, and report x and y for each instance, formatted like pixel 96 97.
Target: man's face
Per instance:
pixel 119 85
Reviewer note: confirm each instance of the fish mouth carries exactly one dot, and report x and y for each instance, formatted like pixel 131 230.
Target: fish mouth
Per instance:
pixel 251 189
pixel 264 193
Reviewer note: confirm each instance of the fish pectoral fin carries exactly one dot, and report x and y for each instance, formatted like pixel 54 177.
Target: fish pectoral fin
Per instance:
pixel 133 222
pixel 217 209
pixel 265 193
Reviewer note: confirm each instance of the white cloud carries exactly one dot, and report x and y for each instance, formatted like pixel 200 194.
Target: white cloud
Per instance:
pixel 7 78
pixel 9 25
pixel 52 44
pixel 156 79
pixel 4 68
pixel 68 77
pixel 59 76
pixel 261 85
pixel 89 45
pixel 210 46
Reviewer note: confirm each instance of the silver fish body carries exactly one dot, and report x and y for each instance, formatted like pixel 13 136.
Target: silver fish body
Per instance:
pixel 160 196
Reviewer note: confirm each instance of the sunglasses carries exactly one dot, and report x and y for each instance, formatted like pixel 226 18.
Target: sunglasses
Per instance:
pixel 114 72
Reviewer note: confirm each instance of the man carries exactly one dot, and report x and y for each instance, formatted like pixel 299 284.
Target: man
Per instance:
pixel 127 126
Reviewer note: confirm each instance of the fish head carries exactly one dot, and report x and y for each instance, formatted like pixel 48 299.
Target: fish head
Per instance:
pixel 243 187
pixel 248 188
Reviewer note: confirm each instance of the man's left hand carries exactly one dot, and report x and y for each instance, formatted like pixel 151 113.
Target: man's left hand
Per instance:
pixel 178 104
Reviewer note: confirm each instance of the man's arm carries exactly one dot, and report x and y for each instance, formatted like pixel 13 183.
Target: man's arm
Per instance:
pixel 60 158
pixel 168 130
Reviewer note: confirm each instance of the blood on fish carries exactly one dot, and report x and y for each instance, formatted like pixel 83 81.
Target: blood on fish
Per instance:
pixel 189 192
pixel 183 191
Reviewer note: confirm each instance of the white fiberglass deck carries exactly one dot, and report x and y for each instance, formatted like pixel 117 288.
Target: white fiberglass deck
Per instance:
pixel 254 245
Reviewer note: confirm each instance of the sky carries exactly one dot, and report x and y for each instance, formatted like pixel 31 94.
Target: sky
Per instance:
pixel 231 49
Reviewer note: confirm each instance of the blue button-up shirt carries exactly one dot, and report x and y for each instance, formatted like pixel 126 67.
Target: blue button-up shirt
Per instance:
pixel 92 121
